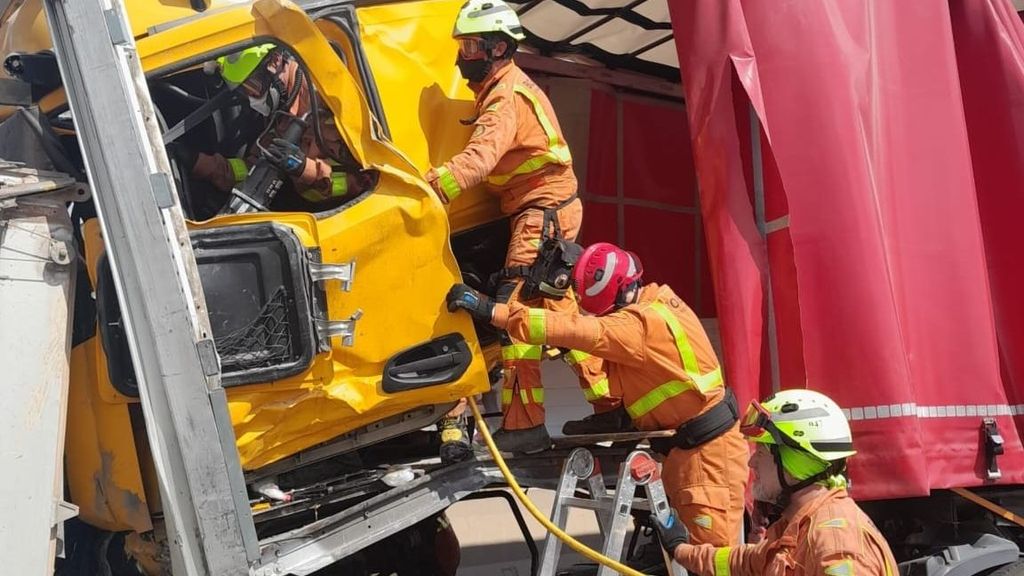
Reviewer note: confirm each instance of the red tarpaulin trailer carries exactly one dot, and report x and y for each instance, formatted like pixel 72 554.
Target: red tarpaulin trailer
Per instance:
pixel 861 175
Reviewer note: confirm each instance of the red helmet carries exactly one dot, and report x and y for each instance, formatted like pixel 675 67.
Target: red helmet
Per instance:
pixel 603 272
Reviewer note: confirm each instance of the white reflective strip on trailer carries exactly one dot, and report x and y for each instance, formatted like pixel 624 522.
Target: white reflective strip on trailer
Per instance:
pixel 884 411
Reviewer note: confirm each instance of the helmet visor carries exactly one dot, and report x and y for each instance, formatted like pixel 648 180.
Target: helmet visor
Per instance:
pixel 755 421
pixel 471 47
pixel 757 425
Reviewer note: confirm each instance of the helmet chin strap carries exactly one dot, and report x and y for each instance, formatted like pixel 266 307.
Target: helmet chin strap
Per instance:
pixel 782 502
pixel 621 298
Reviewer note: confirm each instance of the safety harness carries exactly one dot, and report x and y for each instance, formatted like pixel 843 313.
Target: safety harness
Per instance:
pixel 702 429
pixel 550 274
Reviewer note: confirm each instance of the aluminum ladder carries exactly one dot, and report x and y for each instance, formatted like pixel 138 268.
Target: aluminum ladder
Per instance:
pixel 612 510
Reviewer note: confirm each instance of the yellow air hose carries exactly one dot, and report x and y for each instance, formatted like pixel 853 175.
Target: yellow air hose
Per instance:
pixel 532 508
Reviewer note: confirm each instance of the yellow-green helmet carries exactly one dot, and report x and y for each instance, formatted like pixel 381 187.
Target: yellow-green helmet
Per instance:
pixel 801 419
pixel 235 68
pixel 485 17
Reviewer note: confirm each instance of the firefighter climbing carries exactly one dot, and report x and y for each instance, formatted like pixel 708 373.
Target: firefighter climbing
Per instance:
pixel 660 362
pixel 517 150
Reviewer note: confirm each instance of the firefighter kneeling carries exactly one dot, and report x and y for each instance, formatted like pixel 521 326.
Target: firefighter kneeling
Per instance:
pixel 802 442
pixel 660 362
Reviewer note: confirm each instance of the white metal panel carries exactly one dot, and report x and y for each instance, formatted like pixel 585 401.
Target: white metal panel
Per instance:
pixel 37 277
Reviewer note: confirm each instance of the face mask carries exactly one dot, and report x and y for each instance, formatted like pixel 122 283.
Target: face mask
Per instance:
pixel 267 103
pixel 475 71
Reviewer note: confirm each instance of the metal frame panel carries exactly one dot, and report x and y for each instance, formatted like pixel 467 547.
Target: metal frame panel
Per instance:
pixel 309 548
pixel 37 281
pixel 210 527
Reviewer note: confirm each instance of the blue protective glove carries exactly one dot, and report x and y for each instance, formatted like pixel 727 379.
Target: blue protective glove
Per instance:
pixel 672 534
pixel 479 306
pixel 286 156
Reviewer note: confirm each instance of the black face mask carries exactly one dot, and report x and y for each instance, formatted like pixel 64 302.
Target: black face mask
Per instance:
pixel 474 70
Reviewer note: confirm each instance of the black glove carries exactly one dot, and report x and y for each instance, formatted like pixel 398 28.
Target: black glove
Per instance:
pixel 183 153
pixel 286 156
pixel 479 306
pixel 672 535
pixel 366 180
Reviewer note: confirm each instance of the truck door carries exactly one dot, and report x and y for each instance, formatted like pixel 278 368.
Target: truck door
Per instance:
pixel 387 267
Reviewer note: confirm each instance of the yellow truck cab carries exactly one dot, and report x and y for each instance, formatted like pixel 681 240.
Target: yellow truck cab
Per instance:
pixel 328 318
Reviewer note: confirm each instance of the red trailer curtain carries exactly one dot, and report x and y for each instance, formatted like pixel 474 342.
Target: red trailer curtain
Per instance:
pixel 882 263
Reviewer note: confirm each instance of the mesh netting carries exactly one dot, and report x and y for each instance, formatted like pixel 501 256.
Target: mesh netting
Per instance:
pixel 266 341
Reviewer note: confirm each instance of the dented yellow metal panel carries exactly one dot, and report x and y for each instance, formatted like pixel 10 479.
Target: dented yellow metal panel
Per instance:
pixel 412 55
pixel 102 465
pixel 103 472
pixel 398 237
pixel 25 31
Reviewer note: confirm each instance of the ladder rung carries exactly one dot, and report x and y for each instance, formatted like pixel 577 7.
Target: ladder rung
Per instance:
pixel 603 504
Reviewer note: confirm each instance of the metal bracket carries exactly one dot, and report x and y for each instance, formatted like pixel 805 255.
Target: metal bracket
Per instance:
pixel 63 511
pixel 208 356
pixel 993 448
pixel 346 272
pixel 163 190
pixel 346 329
pixel 59 252
pixel 115 27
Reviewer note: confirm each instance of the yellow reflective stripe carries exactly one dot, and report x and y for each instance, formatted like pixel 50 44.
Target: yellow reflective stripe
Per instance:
pixel 449 185
pixel 841 568
pixel 557 153
pixel 686 352
pixel 312 195
pixel 537 326
pixel 521 352
pixel 575 357
pixel 238 169
pixel 339 184
pixel 704 382
pixel 709 381
pixel 531 165
pixel 534 394
pixel 652 399
pixel 597 390
pixel 722 561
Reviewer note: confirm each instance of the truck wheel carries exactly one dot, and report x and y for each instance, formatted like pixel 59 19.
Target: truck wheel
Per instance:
pixel 1015 569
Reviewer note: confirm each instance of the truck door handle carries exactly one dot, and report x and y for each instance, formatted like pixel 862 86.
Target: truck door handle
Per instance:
pixel 439 361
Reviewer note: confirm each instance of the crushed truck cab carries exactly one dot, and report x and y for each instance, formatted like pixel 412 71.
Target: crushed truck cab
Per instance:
pixel 328 319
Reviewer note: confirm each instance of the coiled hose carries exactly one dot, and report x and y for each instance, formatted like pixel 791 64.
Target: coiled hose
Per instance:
pixel 573 543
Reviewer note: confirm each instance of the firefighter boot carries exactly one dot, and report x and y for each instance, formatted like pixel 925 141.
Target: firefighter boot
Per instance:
pixel 455 446
pixel 610 422
pixel 525 441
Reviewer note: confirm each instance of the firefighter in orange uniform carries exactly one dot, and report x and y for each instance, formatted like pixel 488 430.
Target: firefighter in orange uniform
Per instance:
pixel 802 442
pixel 517 150
pixel 660 361
pixel 273 81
